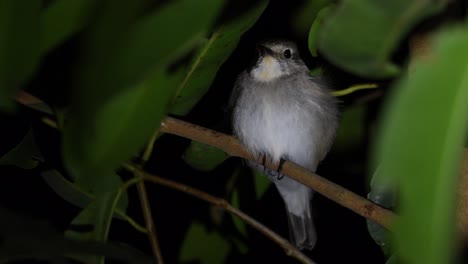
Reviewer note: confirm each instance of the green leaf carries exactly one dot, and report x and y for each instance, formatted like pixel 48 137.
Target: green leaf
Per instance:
pixel 25 155
pixel 97 217
pixel 262 183
pixel 199 244
pixel 119 106
pixel 361 35
pixel 26 238
pixel 77 195
pixel 382 193
pixel 203 157
pixel 210 57
pixel 238 223
pixel 351 132
pixel 61 19
pixel 420 149
pixel 314 29
pixel 18 57
pixel 306 14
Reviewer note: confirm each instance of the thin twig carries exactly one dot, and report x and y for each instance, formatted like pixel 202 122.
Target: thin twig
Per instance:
pixel 354 88
pixel 288 247
pixel 145 204
pixel 319 184
pixel 146 208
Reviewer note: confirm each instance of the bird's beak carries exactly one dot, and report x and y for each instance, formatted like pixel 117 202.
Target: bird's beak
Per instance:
pixel 263 51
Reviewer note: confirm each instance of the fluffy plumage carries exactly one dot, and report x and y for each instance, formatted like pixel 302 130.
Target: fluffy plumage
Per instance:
pixel 282 112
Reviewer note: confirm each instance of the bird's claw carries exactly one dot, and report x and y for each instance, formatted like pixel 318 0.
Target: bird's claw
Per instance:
pixel 280 167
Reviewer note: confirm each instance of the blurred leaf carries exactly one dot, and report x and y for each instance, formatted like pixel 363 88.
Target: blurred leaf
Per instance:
pixel 77 196
pixel 18 58
pixel 26 238
pixel 382 193
pixel 316 72
pixel 66 189
pixel 306 14
pixel 362 35
pixel 204 157
pixel 203 246
pixel 392 260
pixel 314 28
pixel 119 106
pixel 350 134
pixel 25 155
pixel 61 19
pixel 239 224
pixel 95 219
pixel 420 149
pixel 261 183
pixel 210 57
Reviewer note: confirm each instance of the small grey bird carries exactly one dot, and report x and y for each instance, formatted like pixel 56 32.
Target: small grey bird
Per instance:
pixel 283 113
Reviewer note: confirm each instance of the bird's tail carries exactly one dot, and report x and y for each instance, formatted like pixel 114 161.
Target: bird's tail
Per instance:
pixel 302 229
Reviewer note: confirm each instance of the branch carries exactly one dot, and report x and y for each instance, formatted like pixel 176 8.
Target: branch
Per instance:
pixel 233 147
pixel 319 184
pixel 146 208
pixel 285 244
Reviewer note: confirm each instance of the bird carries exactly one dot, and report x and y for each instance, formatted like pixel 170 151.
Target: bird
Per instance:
pixel 281 112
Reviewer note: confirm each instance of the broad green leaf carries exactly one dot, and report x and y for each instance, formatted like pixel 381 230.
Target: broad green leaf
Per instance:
pixel 61 19
pixel 314 28
pixel 25 155
pixel 361 36
pixel 203 157
pixel 211 56
pixel 203 246
pixel 119 106
pixel 18 55
pixel 420 149
pixel 123 126
pixel 95 219
pixel 306 14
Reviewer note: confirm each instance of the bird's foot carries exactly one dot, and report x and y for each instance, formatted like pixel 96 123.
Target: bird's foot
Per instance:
pixel 280 167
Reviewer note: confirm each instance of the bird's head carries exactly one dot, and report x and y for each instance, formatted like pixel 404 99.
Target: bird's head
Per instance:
pixel 276 59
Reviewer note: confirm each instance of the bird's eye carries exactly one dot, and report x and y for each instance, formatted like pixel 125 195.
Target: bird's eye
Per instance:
pixel 287 54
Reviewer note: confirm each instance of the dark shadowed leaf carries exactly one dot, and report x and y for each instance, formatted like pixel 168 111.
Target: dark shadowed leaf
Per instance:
pixel 261 183
pixel 26 238
pixel 383 194
pixel 420 149
pixel 19 28
pixel 80 197
pixel 318 23
pixel 239 224
pixel 203 157
pixel 25 155
pixel 351 132
pixel 124 92
pixel 61 19
pixel 306 14
pixel 199 244
pixel 362 35
pixel 211 56
pixel 93 223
